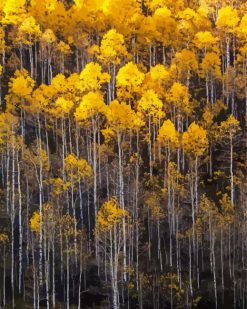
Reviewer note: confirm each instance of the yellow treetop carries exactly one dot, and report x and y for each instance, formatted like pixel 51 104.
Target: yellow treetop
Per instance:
pixel 14 11
pixel 178 95
pixel 62 107
pixel 157 79
pixel 195 140
pixel 242 29
pixel 109 215
pixel 120 116
pixel 227 18
pixel 77 168
pixel 129 80
pixel 35 222
pixel 20 86
pixel 92 104
pixel 185 62
pixel 58 84
pixel 29 30
pixel 205 40
pixel 112 47
pixel 48 37
pixel 229 127
pixel 168 135
pixel 92 78
pixel 124 20
pixel 211 64
pixel 63 48
pixel 150 105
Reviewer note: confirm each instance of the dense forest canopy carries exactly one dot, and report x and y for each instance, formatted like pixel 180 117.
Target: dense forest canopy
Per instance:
pixel 123 154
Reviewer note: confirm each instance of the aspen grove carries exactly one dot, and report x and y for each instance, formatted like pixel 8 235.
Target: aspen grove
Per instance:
pixel 123 154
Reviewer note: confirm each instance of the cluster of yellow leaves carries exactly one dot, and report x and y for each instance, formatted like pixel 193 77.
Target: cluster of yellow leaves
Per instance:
pixel 185 62
pixel 152 201
pixel 168 135
pixel 64 48
pixel 205 40
pixel 21 84
pixel 58 186
pixel 35 222
pixel 92 104
pixel 8 123
pixel 14 11
pixel 62 107
pixel 29 30
pixel 150 105
pixel 112 47
pixel 77 168
pixel 227 18
pixel 229 128
pixel 211 64
pixel 195 140
pixel 179 97
pixel 121 117
pixel 4 238
pixel 92 78
pixel 48 37
pixel 157 79
pixel 129 80
pixel 109 215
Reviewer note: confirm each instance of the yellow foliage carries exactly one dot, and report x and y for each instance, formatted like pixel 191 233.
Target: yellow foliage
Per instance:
pixel 150 105
pixel 4 238
pixel 77 168
pixel 208 117
pixel 92 104
pixel 48 37
pixel 168 135
pixel 58 83
pixel 120 116
pixel 92 78
pixel 63 48
pixel 152 201
pixel 129 80
pixel 108 133
pixel 227 210
pixel 185 62
pixel 68 225
pixel 229 128
pixel 211 64
pixel 205 40
pixel 109 215
pixel 7 125
pixel 21 84
pixel 58 186
pixel 62 107
pixel 14 11
pixel 227 18
pixel 178 95
pixel 30 30
pixel 112 47
pixel 242 29
pixel 35 222
pixel 195 140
